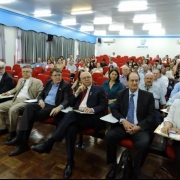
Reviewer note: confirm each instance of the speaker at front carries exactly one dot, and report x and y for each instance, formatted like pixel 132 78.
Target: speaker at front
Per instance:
pixel 99 40
pixel 50 37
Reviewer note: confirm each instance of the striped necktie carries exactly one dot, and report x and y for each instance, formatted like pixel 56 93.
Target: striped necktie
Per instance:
pixel 130 115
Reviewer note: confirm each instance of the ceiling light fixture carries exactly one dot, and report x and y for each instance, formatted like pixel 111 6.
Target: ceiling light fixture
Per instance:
pixel 114 27
pixel 5 1
pixel 86 28
pixel 70 22
pixel 157 32
pixel 43 13
pixel 151 26
pixel 81 12
pixel 100 32
pixel 144 18
pixel 126 32
pixel 133 6
pixel 104 20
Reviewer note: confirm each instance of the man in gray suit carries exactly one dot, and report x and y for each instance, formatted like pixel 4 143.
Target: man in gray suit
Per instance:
pixel 53 98
pixel 27 88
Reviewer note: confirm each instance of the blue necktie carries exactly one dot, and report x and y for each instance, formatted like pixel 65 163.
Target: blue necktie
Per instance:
pixel 130 115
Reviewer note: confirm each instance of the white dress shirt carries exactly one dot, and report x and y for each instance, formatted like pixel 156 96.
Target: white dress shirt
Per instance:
pixel 24 91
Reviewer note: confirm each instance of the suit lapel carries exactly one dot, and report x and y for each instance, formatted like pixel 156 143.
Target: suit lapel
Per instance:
pixel 126 101
pixel 139 101
pixel 90 93
pixel 59 90
pixel 30 82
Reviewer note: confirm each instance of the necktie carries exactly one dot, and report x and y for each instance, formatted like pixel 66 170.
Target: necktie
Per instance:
pixel 83 95
pixel 18 90
pixel 130 115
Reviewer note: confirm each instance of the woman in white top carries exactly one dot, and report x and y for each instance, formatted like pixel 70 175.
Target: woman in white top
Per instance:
pixel 98 69
pixel 172 123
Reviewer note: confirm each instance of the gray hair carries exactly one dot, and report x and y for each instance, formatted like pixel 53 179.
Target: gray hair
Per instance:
pixel 2 64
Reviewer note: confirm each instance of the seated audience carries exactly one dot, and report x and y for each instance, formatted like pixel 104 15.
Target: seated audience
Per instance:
pixel 61 63
pixel 71 67
pixel 53 98
pixel 103 63
pixel 112 87
pixel 163 78
pixel 143 72
pixel 88 98
pixel 6 81
pixel 175 90
pixel 39 63
pixel 48 65
pixel 27 88
pixel 135 111
pixel 111 63
pixel 91 66
pixel 171 122
pixel 171 100
pixel 107 73
pixel 93 59
pixel 98 69
pixel 123 77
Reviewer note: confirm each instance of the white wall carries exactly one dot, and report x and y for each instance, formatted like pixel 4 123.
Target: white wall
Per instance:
pixel 10 34
pixel 128 46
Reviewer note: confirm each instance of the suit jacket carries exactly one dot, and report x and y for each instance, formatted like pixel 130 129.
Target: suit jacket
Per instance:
pixel 6 83
pixel 145 108
pixel 34 88
pixel 97 100
pixel 63 93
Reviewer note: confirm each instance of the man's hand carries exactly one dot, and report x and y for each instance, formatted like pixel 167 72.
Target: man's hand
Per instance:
pixel 165 130
pixel 55 111
pixel 87 110
pixel 168 108
pixel 5 94
pixel 80 89
pixel 42 104
pixel 127 126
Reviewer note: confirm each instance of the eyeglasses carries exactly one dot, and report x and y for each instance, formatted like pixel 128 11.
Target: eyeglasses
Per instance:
pixel 84 78
pixel 56 75
pixel 25 71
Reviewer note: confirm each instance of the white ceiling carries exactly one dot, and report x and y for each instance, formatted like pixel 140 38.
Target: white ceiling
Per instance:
pixel 167 12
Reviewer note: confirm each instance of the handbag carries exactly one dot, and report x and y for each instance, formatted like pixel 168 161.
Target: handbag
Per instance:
pixel 125 166
pixel 162 173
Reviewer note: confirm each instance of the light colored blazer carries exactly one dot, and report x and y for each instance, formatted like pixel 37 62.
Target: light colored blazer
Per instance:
pixel 174 114
pixel 34 88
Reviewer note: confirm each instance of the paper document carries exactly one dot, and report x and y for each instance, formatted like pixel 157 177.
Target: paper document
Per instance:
pixel 81 112
pixel 67 110
pixel 171 135
pixel 109 118
pixel 31 101
pixel 164 110
pixel 2 97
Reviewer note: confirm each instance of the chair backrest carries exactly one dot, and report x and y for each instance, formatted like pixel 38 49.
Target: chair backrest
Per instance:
pixel 49 69
pixel 34 73
pixel 65 71
pixel 17 70
pixel 39 70
pixel 15 81
pixel 101 80
pixel 95 76
pixel 16 65
pixel 43 78
pixel 68 79
pixel 20 75
pixel 10 72
pixel 7 68
pixel 48 73
pixel 105 69
pixel 65 74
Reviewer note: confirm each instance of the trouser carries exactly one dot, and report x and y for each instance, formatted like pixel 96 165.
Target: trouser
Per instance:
pixel 177 157
pixel 13 109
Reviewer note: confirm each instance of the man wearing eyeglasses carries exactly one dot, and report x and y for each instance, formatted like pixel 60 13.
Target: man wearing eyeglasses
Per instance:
pixel 91 101
pixel 6 81
pixel 27 88
pixel 53 98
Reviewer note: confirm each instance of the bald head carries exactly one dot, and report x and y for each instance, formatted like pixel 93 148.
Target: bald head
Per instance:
pixel 125 70
pixel 148 79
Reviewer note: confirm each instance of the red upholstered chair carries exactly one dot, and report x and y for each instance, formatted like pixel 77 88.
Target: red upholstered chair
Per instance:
pixel 39 70
pixel 7 68
pixel 15 81
pixel 20 75
pixel 68 79
pixel 15 66
pixel 170 151
pixel 48 73
pixel 48 121
pixel 43 78
pixel 105 69
pixel 95 76
pixel 65 71
pixel 34 73
pixel 66 74
pixel 101 80
pixel 16 71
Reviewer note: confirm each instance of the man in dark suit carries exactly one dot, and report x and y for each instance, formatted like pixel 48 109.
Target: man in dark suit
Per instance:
pixel 51 101
pixel 135 110
pixel 6 81
pixel 88 99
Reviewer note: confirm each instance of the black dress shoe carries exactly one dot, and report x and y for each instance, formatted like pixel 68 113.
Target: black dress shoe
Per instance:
pixel 11 136
pixel 111 174
pixel 13 142
pixel 68 170
pixel 45 147
pixel 4 131
pixel 19 150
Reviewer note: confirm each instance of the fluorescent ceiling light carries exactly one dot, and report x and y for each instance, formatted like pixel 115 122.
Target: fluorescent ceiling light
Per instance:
pixel 5 1
pixel 81 12
pixel 69 22
pixel 151 26
pixel 114 27
pixel 100 32
pixel 144 18
pixel 126 32
pixel 132 6
pixel 104 20
pixel 157 32
pixel 42 13
pixel 87 28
